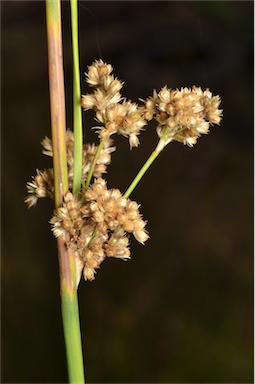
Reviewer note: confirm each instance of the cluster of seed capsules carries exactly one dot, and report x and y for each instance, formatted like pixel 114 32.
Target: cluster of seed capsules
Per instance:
pixel 96 223
pixel 98 227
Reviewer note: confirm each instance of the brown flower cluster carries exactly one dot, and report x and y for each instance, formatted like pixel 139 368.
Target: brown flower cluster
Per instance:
pixel 97 222
pixel 96 226
pixel 112 111
pixel 43 183
pixel 183 115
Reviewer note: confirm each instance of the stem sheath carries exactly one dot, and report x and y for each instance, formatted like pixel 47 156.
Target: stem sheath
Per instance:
pixel 70 315
pixel 57 99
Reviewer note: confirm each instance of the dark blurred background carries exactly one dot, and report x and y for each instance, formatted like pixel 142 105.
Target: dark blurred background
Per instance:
pixel 181 310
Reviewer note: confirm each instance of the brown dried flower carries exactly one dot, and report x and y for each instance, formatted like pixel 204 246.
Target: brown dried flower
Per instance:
pixel 43 183
pixel 97 222
pixel 41 186
pixel 88 155
pixel 183 115
pixel 110 210
pixel 107 88
pixel 95 226
pixel 123 118
pixel 98 73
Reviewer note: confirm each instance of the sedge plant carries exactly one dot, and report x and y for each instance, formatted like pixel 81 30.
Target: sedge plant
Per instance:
pixel 90 221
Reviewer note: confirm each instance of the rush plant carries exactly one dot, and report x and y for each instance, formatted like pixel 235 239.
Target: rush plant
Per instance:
pixel 90 221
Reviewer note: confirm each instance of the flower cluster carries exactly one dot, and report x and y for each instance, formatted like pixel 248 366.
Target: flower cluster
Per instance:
pixel 43 183
pixel 96 226
pixel 96 223
pixel 112 111
pixel 183 115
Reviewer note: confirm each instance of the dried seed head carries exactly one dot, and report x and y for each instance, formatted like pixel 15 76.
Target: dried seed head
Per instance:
pixel 88 155
pixel 42 185
pixel 118 247
pixel 109 207
pixel 183 115
pixel 95 225
pixel 88 101
pixel 68 217
pixel 97 72
pixel 124 118
pixel 47 146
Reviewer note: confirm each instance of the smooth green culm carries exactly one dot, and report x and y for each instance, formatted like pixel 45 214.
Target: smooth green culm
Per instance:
pixel 70 314
pixel 77 111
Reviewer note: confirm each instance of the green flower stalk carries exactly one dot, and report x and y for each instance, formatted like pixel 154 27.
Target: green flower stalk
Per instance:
pixel 141 173
pixel 93 165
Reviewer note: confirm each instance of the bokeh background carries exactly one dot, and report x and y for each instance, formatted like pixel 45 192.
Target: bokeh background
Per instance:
pixel 181 310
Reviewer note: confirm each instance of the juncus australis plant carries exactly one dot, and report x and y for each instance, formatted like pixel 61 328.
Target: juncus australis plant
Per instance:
pixel 92 221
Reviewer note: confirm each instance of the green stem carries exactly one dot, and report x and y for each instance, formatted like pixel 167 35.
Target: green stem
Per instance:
pixel 70 314
pixel 93 165
pixel 77 112
pixel 68 292
pixel 145 167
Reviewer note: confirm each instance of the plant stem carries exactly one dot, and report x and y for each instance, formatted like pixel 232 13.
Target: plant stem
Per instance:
pixel 70 314
pixel 99 149
pixel 57 100
pixel 147 164
pixel 77 115
pixel 67 272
